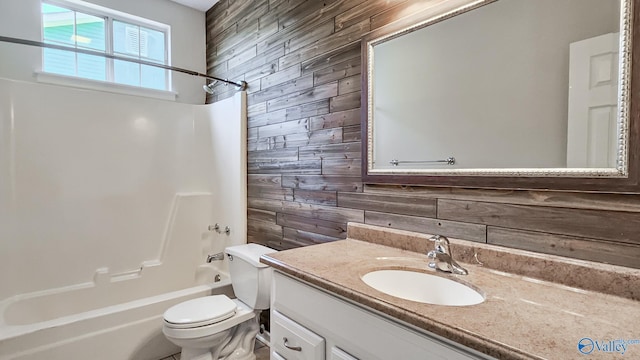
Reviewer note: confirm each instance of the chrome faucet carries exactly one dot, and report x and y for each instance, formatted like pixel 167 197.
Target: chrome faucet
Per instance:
pixel 441 257
pixel 218 256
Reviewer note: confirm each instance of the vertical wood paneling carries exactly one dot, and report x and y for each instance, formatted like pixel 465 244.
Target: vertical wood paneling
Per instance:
pixel 302 61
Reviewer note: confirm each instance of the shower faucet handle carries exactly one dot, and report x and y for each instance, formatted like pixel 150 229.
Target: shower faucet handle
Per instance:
pixel 216 228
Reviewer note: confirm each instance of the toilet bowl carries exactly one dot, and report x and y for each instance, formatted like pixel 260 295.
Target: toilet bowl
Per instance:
pixel 217 327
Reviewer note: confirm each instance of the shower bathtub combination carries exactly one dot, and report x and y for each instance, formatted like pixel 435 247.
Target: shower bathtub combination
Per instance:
pixel 124 192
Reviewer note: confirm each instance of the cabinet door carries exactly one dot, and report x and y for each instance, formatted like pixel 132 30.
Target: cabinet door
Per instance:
pixel 292 341
pixel 337 354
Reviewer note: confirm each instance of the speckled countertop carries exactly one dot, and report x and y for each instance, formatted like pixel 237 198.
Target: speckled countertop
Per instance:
pixel 536 307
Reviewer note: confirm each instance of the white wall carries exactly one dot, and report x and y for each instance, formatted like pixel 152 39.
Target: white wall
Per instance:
pixel 22 19
pixel 90 182
pixel 489 87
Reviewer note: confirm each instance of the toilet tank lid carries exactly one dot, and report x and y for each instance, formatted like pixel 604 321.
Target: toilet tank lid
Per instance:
pixel 250 253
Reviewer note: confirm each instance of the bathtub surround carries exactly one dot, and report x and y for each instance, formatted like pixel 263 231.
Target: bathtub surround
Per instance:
pixel 106 201
pixel 97 185
pixel 177 266
pixel 302 62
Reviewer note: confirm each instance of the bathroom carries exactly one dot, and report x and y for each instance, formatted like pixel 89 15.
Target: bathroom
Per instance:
pixel 302 61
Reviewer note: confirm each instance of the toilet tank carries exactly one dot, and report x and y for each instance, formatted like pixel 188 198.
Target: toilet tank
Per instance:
pixel 251 280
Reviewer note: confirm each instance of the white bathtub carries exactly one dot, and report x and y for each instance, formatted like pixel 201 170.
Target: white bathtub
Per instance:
pixel 59 326
pixel 117 315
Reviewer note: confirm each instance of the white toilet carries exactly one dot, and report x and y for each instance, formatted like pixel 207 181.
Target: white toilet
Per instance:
pixel 216 327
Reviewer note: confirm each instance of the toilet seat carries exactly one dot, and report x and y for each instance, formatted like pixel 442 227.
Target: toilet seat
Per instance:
pixel 200 312
pixel 241 314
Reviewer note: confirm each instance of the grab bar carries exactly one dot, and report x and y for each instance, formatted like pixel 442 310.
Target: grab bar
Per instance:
pixel 450 161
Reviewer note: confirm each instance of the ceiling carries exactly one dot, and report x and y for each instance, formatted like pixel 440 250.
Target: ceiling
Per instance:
pixel 202 5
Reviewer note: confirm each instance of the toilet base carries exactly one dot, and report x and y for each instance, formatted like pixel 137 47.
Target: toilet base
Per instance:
pixel 189 354
pixel 243 340
pixel 205 348
pixel 237 343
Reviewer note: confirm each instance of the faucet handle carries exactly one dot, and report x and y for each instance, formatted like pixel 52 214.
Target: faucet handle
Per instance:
pixel 440 257
pixel 441 244
pixel 438 238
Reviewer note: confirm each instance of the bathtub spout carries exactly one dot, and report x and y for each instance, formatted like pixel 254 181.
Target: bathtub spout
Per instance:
pixel 217 257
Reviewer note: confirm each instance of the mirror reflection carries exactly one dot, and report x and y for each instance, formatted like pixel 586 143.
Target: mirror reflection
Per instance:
pixel 512 84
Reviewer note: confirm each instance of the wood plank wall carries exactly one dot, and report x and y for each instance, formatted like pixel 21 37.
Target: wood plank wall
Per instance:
pixel 302 62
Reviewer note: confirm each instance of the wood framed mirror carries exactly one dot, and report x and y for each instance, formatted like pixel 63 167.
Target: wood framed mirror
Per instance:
pixel 531 94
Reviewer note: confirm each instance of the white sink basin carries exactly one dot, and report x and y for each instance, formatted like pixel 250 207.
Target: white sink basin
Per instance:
pixel 422 287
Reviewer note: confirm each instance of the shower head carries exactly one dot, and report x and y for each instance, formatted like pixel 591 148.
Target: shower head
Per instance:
pixel 209 88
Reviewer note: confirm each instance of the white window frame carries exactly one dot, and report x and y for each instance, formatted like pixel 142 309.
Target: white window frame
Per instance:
pixel 109 84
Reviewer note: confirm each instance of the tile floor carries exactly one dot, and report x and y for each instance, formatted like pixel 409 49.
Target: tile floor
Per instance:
pixel 261 351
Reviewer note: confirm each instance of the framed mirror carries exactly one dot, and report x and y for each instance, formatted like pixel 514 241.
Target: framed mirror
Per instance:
pixel 533 94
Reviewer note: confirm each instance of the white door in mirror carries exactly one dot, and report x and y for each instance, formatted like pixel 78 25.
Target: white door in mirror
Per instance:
pixel 593 102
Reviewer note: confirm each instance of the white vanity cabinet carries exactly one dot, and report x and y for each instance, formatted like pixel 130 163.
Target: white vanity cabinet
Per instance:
pixel 309 323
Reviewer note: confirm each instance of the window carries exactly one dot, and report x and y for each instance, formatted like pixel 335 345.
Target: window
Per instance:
pixel 97 29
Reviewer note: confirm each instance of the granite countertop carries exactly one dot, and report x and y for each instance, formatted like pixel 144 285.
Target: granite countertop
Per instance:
pixel 523 317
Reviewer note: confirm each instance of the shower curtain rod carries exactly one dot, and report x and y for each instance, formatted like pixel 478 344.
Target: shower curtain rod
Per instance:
pixel 242 85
